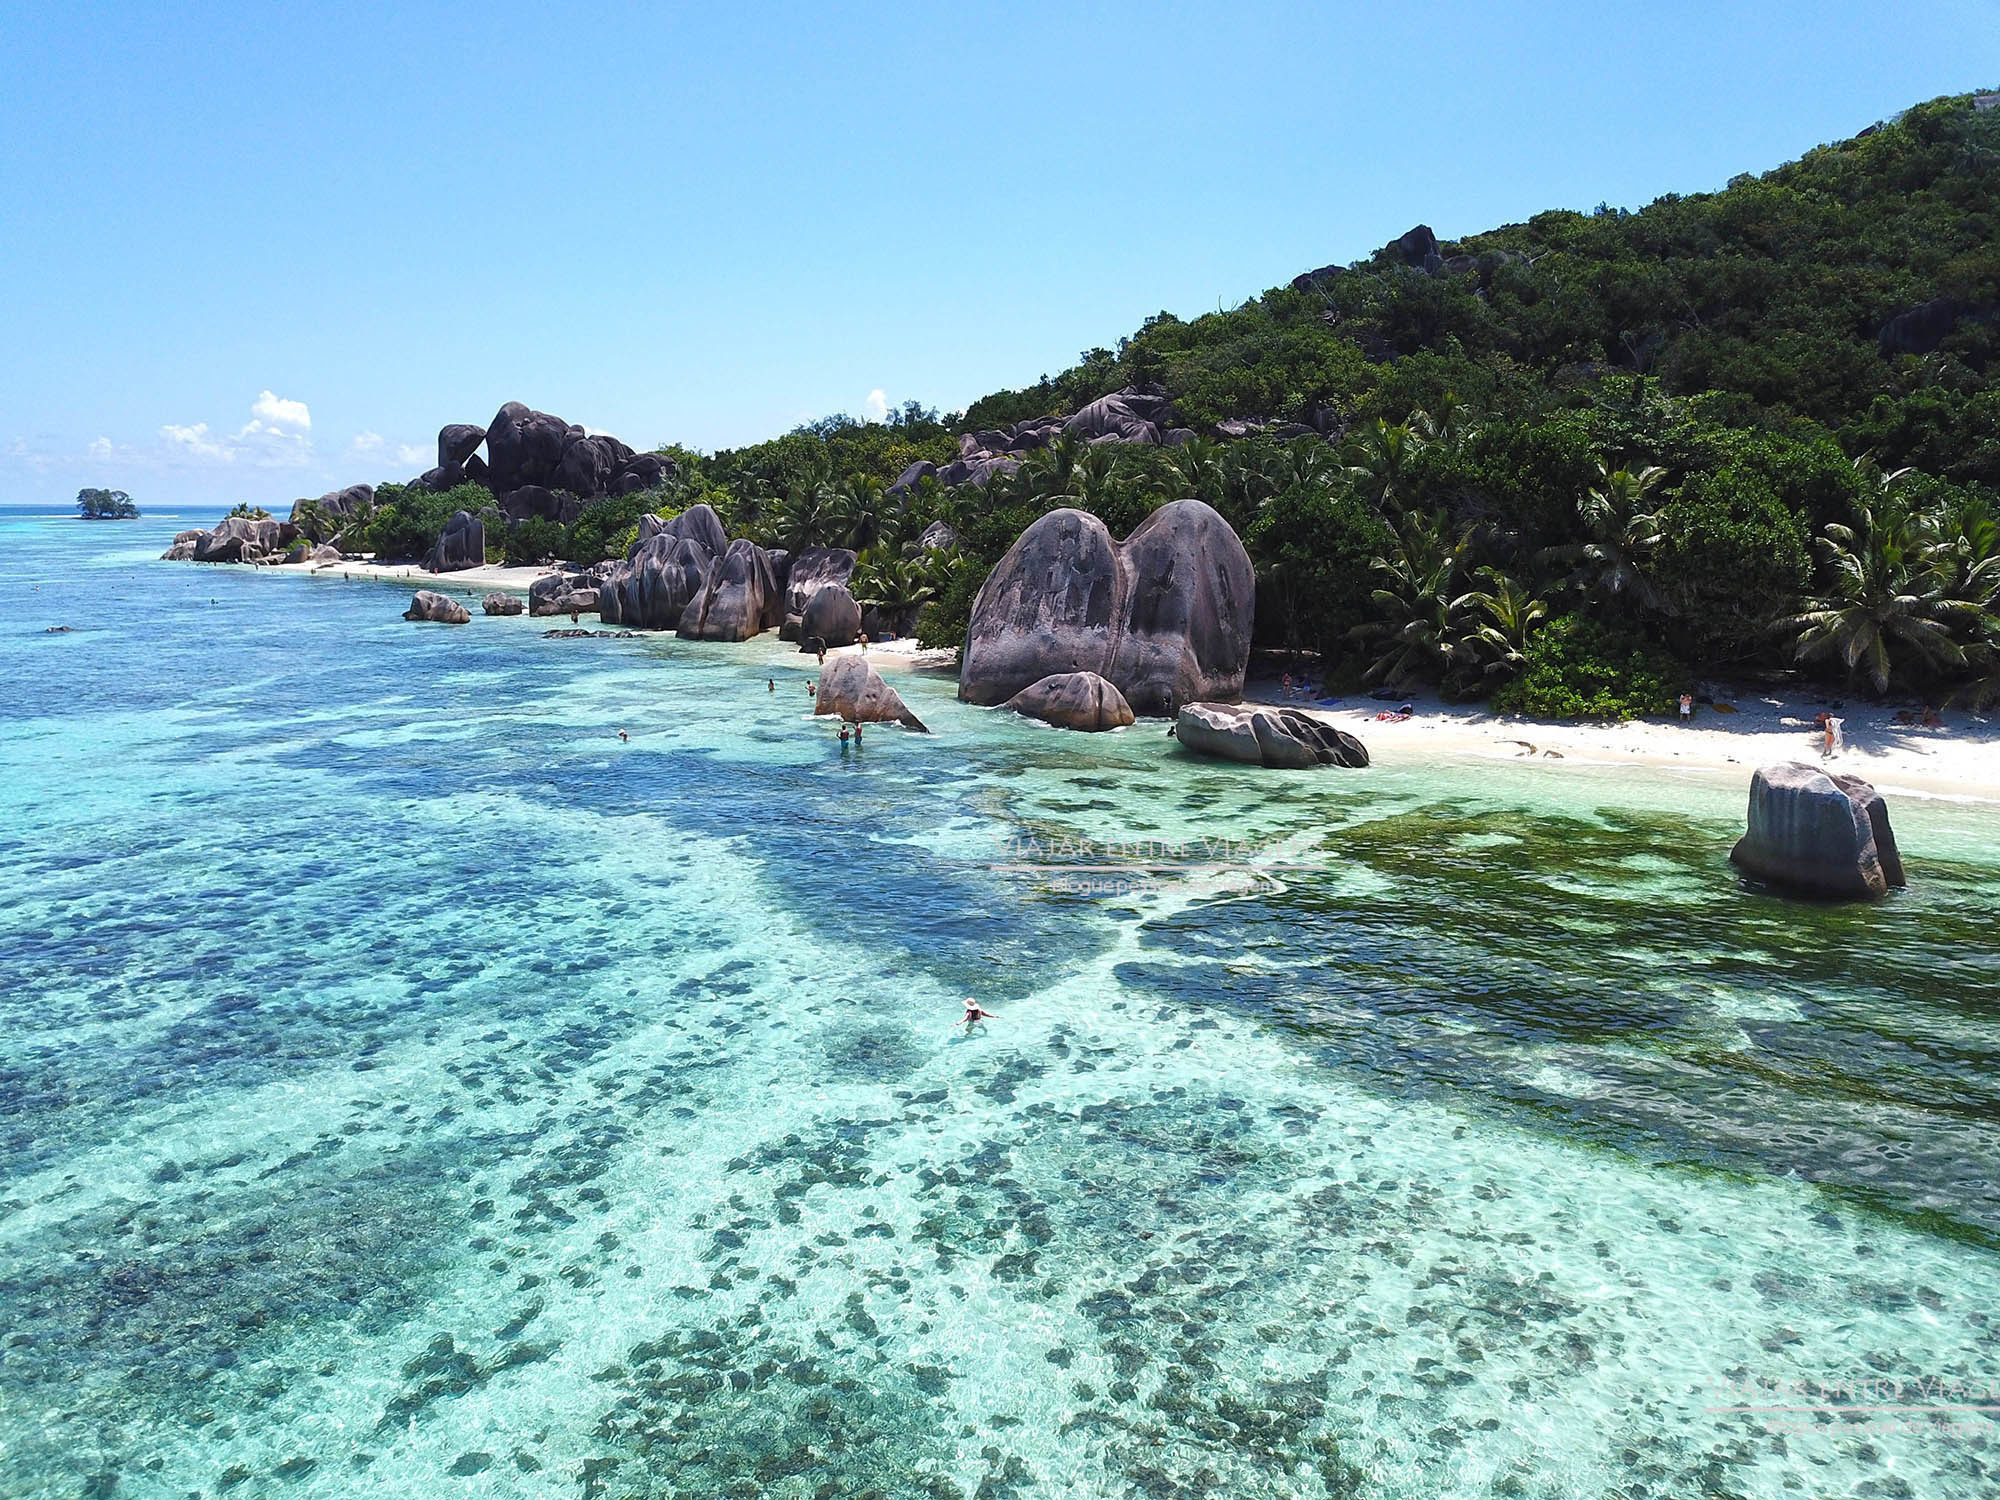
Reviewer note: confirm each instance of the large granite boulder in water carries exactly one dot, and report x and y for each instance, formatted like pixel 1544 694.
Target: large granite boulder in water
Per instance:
pixel 852 689
pixel 1074 700
pixel 461 545
pixel 812 570
pixel 502 604
pixel 429 605
pixel 1281 738
pixel 831 618
pixel 1818 832
pixel 737 598
pixel 1165 616
pixel 563 594
pixel 652 588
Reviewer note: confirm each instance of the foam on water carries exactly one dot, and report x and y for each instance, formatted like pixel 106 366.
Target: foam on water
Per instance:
pixel 409 1089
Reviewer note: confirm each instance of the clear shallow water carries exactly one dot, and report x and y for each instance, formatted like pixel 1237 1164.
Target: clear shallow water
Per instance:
pixel 406 1088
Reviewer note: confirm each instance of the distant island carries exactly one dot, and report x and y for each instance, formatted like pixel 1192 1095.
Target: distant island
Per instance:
pixel 106 505
pixel 1575 467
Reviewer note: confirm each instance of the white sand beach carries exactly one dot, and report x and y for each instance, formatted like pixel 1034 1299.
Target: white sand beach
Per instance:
pixel 1754 728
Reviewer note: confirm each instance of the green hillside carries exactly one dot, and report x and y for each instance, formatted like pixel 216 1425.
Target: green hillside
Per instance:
pixel 1579 462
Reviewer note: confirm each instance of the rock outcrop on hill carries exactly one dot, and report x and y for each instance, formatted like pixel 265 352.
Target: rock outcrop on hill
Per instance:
pixel 435 607
pixel 1820 833
pixel 1280 738
pixel 1164 616
pixel 854 691
pixel 1074 700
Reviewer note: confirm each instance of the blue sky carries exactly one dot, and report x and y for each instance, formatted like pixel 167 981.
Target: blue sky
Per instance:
pixel 248 252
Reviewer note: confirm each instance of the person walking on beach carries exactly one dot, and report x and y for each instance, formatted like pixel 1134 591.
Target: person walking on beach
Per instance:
pixel 1687 707
pixel 1832 746
pixel 974 1014
pixel 864 642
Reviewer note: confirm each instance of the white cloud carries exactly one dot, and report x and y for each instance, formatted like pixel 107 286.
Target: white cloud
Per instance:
pixel 373 447
pixel 100 448
pixel 194 442
pixel 273 438
pixel 275 411
pixel 877 405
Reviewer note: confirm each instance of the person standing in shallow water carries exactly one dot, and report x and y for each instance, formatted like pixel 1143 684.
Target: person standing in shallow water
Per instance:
pixel 974 1014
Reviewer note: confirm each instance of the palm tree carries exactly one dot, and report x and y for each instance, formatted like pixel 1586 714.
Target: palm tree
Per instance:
pixel 1450 427
pixel 1611 565
pixel 800 519
pixel 852 511
pixel 1383 453
pixel 1890 605
pixel 896 586
pixel 1090 477
pixel 1418 601
pixel 1199 471
pixel 1510 616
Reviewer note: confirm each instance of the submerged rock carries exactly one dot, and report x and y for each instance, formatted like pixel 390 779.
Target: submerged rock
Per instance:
pixel 502 604
pixel 433 606
pixel 1280 738
pixel 1819 832
pixel 1164 616
pixel 854 691
pixel 1074 700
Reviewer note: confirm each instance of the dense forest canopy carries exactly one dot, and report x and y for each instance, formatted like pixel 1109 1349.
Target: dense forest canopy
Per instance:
pixel 1576 463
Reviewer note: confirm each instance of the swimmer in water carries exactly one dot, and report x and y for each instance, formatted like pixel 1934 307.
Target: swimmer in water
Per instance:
pixel 771 684
pixel 974 1014
pixel 624 736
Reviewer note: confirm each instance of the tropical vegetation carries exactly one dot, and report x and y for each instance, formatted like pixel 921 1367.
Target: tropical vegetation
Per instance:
pixel 106 505
pixel 1580 463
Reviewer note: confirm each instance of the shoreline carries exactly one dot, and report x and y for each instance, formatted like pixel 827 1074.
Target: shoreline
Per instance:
pixel 1960 761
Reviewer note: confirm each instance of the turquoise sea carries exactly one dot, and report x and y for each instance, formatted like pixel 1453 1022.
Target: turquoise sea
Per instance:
pixel 407 1088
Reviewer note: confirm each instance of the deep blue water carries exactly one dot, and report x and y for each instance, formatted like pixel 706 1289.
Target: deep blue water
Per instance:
pixel 409 1088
